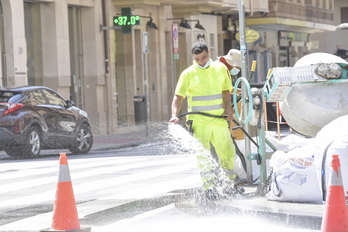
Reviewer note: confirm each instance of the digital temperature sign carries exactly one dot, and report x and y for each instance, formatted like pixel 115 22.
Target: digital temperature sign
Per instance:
pixel 126 20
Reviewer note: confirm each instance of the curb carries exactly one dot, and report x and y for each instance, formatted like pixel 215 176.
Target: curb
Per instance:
pixel 286 219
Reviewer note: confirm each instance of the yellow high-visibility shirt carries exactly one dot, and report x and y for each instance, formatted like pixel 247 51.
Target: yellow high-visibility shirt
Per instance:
pixel 203 89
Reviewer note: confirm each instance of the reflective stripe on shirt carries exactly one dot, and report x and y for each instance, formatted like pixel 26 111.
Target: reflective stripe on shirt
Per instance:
pixel 207 98
pixel 206 108
pixel 209 105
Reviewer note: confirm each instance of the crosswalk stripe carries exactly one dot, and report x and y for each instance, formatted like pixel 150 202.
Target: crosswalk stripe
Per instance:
pixel 78 175
pixel 30 169
pixel 137 217
pixel 84 209
pixel 177 166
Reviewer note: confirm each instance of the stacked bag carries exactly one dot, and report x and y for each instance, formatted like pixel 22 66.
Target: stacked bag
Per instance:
pixel 302 174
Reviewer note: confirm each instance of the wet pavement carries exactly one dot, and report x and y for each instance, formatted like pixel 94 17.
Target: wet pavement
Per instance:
pixel 292 214
pixel 300 215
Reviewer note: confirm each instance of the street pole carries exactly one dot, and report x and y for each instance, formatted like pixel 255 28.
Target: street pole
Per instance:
pixel 175 46
pixel 243 50
pixel 146 80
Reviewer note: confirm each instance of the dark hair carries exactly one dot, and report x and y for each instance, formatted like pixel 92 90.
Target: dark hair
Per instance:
pixel 198 48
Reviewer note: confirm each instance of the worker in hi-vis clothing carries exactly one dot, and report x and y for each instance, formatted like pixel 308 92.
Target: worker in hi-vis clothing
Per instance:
pixel 207 86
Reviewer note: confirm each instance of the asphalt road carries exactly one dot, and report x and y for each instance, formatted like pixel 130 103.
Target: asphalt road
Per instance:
pixel 151 187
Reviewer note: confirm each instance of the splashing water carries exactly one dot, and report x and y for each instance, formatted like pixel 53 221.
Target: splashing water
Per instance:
pixel 173 217
pixel 210 168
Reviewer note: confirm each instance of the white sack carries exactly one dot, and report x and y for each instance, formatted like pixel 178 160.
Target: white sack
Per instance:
pixel 286 165
pixel 334 137
pixel 239 168
pixel 287 143
pixel 294 177
pixel 337 147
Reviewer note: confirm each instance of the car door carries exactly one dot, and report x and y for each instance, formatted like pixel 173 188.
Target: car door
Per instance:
pixel 39 105
pixel 62 120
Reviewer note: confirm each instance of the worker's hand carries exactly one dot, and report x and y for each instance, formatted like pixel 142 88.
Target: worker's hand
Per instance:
pixel 229 115
pixel 174 120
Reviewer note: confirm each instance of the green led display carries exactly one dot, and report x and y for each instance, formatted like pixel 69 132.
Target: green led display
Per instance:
pixel 126 20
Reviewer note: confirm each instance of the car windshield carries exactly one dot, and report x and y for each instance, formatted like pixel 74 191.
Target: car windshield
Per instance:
pixel 8 96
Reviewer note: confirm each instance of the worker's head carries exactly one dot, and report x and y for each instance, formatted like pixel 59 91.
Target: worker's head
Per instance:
pixel 200 52
pixel 232 60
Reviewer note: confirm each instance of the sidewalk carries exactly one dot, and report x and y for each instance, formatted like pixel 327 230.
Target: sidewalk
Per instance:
pixel 126 137
pixel 292 214
pixel 289 214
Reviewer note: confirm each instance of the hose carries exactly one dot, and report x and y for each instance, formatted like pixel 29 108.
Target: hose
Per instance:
pixel 223 116
pixel 323 182
pixel 250 97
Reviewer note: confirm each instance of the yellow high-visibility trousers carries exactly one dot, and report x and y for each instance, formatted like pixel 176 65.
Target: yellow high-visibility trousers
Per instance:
pixel 220 138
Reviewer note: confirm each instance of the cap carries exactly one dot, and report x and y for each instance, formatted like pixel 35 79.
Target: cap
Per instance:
pixel 232 58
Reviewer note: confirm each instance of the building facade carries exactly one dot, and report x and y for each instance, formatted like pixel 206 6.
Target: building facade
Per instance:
pixel 73 47
pixel 331 41
pixel 286 31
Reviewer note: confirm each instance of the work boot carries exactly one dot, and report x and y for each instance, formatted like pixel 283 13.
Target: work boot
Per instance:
pixel 230 191
pixel 231 188
pixel 238 188
pixel 212 194
pixel 237 184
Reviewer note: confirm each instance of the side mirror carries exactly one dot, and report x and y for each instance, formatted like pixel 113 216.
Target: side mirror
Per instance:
pixel 70 103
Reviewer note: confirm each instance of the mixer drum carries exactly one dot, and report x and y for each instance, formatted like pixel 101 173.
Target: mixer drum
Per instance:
pixel 310 106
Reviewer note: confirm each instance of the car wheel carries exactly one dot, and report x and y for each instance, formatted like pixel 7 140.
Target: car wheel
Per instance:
pixel 83 141
pixel 14 150
pixel 31 148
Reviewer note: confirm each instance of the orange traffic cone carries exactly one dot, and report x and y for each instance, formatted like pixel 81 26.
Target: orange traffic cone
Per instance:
pixel 335 218
pixel 65 216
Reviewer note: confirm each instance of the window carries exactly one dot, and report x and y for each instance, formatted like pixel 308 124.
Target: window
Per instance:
pixel 308 2
pixel 6 96
pixel 344 14
pixel 37 97
pixel 54 99
pixel 212 46
pixel 33 37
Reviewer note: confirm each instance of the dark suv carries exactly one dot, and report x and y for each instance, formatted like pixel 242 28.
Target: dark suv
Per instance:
pixel 36 117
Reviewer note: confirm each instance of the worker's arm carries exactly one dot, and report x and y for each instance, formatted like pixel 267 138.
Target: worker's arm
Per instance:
pixel 176 107
pixel 226 97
